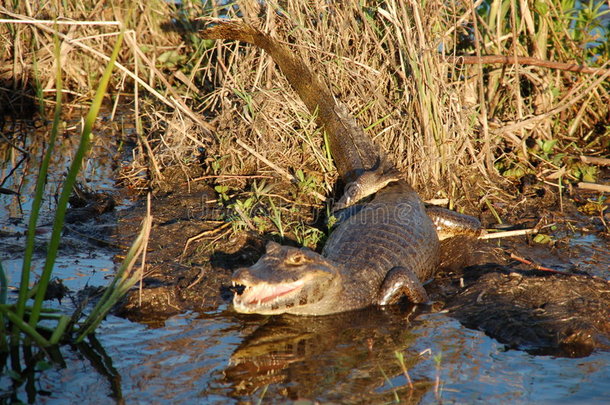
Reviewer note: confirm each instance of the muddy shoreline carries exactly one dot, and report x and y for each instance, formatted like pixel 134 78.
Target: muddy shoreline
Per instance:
pixel 194 249
pixel 480 285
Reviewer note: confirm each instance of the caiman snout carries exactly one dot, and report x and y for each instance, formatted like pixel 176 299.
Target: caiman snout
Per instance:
pixel 284 279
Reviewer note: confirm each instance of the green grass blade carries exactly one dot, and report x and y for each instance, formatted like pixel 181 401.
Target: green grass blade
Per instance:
pixel 62 324
pixel 3 292
pixel 123 281
pixel 39 191
pixel 3 285
pixel 27 329
pixel 38 86
pixel 62 204
pixel 127 262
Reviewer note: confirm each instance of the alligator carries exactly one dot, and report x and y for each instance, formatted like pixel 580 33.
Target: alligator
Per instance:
pixel 383 250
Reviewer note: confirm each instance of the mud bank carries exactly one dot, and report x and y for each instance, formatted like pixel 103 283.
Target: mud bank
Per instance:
pixel 541 312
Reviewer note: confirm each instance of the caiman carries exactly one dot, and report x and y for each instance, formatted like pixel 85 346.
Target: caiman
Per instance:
pixel 383 250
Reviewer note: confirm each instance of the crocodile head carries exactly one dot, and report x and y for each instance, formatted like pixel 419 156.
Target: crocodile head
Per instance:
pixel 288 280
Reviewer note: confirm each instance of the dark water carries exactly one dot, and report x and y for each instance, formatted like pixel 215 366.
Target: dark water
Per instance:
pixel 80 262
pixel 221 357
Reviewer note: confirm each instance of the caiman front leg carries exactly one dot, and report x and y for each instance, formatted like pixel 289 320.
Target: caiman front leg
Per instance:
pixel 398 282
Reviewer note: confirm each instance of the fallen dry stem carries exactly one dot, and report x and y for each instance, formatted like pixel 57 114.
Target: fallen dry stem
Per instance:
pixel 25 20
pixel 537 266
pixel 232 176
pixel 602 188
pixel 508 234
pixel 524 60
pixel 598 161
pixel 204 234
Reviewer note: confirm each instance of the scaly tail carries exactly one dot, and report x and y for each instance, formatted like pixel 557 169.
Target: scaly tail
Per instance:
pixel 353 152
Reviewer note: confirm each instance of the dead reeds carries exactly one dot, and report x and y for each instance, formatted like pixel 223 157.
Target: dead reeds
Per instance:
pixel 455 126
pixel 395 64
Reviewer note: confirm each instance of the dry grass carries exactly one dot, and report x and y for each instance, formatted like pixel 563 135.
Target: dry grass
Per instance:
pixel 450 128
pixel 87 31
pixel 443 124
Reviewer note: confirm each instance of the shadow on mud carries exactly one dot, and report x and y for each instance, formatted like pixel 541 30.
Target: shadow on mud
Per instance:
pixel 560 314
pixel 17 99
pixel 541 313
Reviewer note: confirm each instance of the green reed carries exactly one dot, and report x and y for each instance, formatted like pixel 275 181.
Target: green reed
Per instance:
pixel 36 204
pixel 25 319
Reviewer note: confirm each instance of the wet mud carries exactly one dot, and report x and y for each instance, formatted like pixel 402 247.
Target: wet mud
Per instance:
pixel 183 275
pixel 562 315
pixel 561 308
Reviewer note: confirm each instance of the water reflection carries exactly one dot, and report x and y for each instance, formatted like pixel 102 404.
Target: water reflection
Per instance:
pixel 23 380
pixel 338 357
pixel 222 357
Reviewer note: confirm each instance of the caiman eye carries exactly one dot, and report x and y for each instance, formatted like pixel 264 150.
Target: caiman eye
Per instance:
pixel 296 259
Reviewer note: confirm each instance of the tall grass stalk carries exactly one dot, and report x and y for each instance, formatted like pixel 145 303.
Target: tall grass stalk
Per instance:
pixel 38 195
pixel 17 316
pixel 62 204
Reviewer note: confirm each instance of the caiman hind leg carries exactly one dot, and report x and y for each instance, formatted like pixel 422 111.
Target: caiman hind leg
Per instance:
pixel 398 282
pixel 450 223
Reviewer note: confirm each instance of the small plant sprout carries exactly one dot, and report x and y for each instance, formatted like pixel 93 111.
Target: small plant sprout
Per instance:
pixel 401 360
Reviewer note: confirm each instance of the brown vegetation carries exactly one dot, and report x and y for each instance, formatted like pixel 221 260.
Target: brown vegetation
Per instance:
pixel 471 133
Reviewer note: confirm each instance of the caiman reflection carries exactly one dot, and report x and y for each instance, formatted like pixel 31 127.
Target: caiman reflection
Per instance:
pixel 351 352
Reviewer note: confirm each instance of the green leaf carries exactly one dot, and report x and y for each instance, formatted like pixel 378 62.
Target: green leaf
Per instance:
pixel 171 58
pixel 221 189
pixel 43 365
pixel 543 239
pixel 15 376
pixel 514 173
pixel 547 146
pixel 300 175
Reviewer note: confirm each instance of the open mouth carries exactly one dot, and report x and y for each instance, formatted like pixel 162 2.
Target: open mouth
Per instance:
pixel 263 293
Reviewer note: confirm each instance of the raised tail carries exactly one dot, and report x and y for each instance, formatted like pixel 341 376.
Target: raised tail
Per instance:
pixel 353 151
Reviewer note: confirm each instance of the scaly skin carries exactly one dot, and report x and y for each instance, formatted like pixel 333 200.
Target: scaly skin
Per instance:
pixel 368 183
pixel 448 223
pixel 379 253
pixel 357 264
